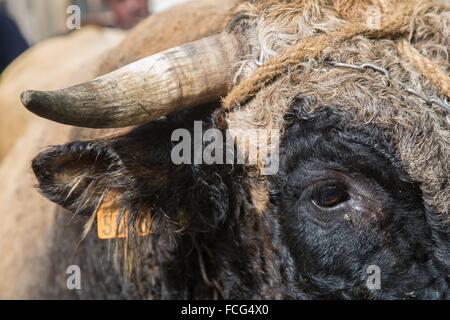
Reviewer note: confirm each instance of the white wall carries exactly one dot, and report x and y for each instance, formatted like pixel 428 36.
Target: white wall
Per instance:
pixel 156 6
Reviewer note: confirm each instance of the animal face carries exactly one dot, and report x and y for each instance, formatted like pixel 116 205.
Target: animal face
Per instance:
pixel 340 205
pixel 346 204
pixel 361 195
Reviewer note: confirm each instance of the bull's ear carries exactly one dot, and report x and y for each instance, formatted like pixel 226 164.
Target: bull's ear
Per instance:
pixel 136 169
pixel 135 166
pixel 78 175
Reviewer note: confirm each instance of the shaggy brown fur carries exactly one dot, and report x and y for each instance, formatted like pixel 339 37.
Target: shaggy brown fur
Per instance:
pixel 430 70
pixel 420 132
pixel 311 47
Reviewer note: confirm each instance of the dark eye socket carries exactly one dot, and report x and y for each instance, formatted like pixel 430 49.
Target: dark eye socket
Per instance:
pixel 329 195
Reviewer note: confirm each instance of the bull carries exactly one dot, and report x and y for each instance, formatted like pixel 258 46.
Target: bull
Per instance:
pixel 363 178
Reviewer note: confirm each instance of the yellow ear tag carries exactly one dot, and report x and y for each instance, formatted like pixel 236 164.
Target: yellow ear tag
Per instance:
pixel 109 226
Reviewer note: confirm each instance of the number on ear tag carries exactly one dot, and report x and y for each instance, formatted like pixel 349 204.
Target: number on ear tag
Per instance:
pixel 109 226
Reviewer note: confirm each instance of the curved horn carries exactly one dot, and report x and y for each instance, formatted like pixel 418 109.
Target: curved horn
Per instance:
pixel 142 91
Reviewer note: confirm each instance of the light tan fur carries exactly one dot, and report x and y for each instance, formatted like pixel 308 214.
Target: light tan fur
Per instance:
pixel 28 218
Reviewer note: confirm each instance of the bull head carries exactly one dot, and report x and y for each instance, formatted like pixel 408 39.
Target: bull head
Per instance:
pixel 356 188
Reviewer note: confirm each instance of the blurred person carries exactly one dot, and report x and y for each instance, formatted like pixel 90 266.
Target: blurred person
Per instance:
pixel 12 42
pixel 128 12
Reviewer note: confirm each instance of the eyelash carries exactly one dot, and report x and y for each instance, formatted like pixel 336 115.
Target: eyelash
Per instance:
pixel 317 186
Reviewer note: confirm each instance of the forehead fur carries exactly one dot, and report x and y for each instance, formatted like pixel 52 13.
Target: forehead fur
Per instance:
pixel 418 131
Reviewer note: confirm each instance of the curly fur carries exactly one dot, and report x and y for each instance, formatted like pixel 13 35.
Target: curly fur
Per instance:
pixel 420 132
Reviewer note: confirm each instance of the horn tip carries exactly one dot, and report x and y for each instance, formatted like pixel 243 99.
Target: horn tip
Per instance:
pixel 29 98
pixel 37 102
pixel 25 97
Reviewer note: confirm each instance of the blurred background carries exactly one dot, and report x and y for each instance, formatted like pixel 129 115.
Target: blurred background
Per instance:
pixel 41 48
pixel 26 22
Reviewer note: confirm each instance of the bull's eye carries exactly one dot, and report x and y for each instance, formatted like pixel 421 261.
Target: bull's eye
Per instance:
pixel 329 195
